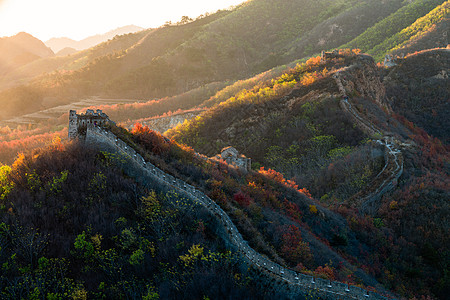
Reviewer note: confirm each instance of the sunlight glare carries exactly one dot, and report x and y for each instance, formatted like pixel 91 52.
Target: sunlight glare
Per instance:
pixel 79 19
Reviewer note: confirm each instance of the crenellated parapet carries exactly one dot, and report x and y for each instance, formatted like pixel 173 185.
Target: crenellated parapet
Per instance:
pixel 78 123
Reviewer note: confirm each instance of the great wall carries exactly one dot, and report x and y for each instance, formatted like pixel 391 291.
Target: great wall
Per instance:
pixel 367 199
pixel 298 283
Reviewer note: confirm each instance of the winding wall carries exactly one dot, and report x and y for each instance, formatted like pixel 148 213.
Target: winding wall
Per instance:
pixel 297 281
pixel 386 180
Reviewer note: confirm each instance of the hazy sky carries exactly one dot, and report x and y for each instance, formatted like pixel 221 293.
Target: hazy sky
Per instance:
pixel 78 19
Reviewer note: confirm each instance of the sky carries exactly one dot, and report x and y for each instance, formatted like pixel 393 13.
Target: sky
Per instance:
pixel 78 19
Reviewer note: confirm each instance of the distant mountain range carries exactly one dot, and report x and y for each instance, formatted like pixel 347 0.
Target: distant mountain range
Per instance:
pixel 57 44
pixel 20 50
pixel 223 47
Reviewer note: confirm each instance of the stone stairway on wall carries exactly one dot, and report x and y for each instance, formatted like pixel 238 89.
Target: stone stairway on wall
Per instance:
pixel 385 180
pixel 299 283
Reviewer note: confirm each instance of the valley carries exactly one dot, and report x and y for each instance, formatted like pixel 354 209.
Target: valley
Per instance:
pixel 57 112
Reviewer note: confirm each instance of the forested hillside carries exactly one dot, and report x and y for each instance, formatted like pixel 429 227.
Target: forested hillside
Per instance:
pixel 294 125
pixel 395 30
pixel 418 88
pixel 105 236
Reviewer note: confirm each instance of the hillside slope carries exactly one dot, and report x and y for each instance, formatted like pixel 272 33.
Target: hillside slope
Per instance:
pixel 384 35
pixel 106 236
pixel 418 89
pixel 20 50
pixel 300 131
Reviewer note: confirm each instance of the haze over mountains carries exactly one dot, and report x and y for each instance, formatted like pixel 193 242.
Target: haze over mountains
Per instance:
pixel 58 44
pixel 227 45
pixel 20 50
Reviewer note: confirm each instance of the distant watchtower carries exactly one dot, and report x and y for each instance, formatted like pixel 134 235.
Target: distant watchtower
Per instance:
pixel 330 55
pixel 73 124
pixel 232 157
pixel 78 123
pixel 389 61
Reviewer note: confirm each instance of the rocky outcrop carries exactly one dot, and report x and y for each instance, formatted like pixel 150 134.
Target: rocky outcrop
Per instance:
pixel 362 79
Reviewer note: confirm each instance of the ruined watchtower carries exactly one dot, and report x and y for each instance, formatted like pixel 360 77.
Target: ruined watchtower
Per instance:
pixel 78 123
pixel 330 55
pixel 389 60
pixel 232 157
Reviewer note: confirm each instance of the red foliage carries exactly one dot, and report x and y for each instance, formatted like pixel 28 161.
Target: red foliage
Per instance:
pixel 325 272
pixel 152 140
pixel 293 247
pixel 242 199
pixel 292 210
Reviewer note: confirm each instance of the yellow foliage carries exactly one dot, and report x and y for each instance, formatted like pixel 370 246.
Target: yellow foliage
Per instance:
pixel 393 205
pixel 19 161
pixel 195 252
pixel 313 209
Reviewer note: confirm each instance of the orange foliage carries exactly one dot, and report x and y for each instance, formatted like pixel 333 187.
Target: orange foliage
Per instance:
pixel 21 140
pixel 151 139
pixel 313 61
pixel 309 78
pixel 278 177
pixel 326 272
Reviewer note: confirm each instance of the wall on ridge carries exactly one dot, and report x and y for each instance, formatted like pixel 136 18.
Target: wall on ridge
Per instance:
pixel 290 283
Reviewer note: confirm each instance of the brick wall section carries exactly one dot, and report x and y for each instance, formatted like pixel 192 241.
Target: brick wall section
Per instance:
pixel 298 284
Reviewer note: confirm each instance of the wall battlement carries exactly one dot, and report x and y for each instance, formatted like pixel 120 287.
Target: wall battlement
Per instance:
pixel 78 123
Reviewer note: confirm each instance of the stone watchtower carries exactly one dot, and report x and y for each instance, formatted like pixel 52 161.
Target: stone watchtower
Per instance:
pixel 73 124
pixel 79 123
pixel 232 157
pixel 389 61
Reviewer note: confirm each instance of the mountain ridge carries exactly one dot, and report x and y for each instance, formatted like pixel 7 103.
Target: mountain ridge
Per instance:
pixel 19 50
pixel 225 46
pixel 57 44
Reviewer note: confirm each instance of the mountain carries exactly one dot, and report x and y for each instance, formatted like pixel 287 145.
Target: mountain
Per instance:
pixel 66 51
pixel 299 125
pixel 391 32
pixel 20 50
pixel 349 183
pixel 57 44
pixel 220 47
